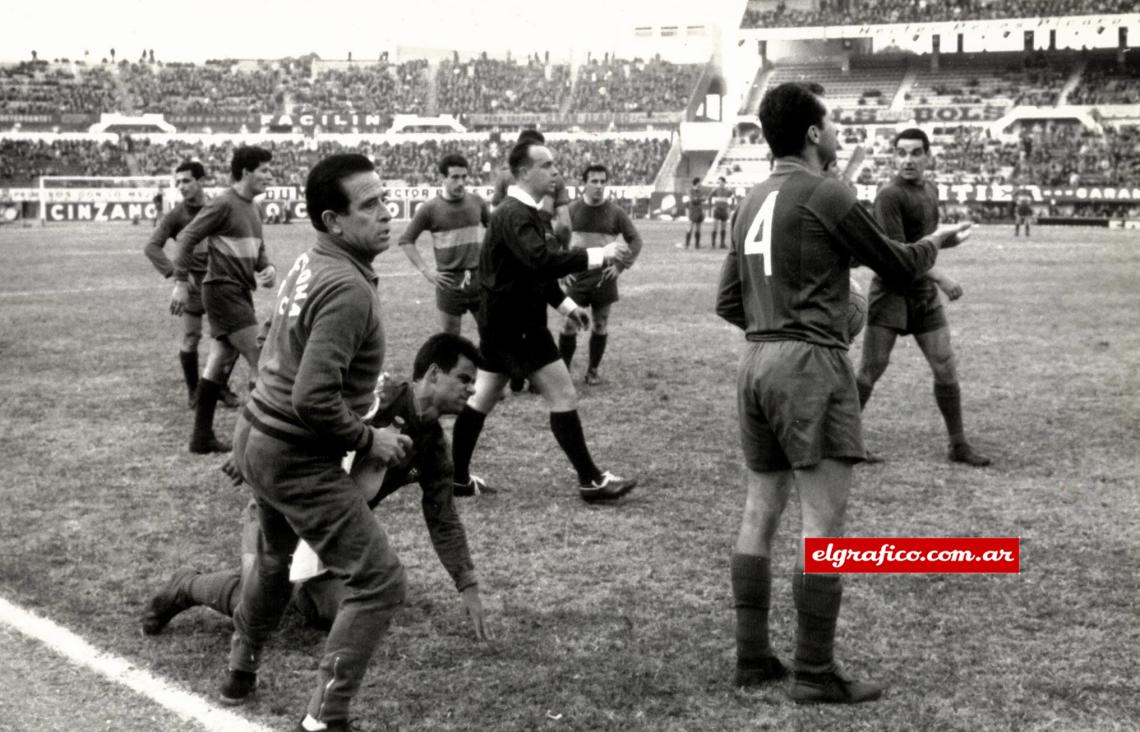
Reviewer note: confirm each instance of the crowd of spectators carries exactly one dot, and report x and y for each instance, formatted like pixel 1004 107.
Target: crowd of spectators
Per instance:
pixel 487 85
pixel 631 162
pixel 875 12
pixel 1104 82
pixel 23 161
pixel 35 87
pixel 620 85
pixel 217 87
pixel 381 88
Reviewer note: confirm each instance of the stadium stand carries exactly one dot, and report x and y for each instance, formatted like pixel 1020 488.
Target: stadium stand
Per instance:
pixel 1108 82
pixel 492 85
pixel 855 12
pixel 620 85
pixel 37 87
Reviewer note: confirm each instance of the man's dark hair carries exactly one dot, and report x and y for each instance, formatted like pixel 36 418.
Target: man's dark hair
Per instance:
pixel 532 136
pixel 196 169
pixel 452 160
pixel 323 189
pixel 787 112
pixel 696 181
pixel 913 133
pixel 444 350
pixel 721 180
pixel 595 168
pixel 520 156
pixel 248 157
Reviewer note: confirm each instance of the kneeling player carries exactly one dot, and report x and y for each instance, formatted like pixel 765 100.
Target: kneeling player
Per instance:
pixel 595 222
pixel 442 379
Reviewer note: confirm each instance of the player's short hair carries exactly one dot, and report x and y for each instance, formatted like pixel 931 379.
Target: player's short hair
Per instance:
pixel 595 168
pixel 323 188
pixel 444 350
pixel 787 112
pixel 721 179
pixel 452 160
pixel 532 136
pixel 248 157
pixel 696 181
pixel 520 156
pixel 913 133
pixel 197 170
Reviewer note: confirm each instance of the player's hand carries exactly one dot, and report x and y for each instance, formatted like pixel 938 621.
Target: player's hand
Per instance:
pixel 949 286
pixel 388 445
pixel 232 471
pixel 180 298
pixel 267 277
pixel 473 604
pixel 446 280
pixel 580 317
pixel 610 272
pixel 618 252
pixel 951 235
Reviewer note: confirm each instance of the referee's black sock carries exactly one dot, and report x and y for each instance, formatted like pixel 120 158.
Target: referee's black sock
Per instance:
pixel 751 593
pixel 567 343
pixel 464 435
pixel 949 399
pixel 189 360
pixel 817 598
pixel 567 429
pixel 597 348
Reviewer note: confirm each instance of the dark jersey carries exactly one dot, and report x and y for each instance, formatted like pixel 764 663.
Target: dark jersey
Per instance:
pixel 793 239
pixel 721 201
pixel 1023 206
pixel 696 201
pixel 231 227
pixel 907 212
pixel 169 228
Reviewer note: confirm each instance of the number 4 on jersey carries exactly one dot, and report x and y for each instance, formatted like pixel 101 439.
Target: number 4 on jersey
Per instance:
pixel 758 240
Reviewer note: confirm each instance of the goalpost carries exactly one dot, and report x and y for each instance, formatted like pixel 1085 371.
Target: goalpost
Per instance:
pixel 103 197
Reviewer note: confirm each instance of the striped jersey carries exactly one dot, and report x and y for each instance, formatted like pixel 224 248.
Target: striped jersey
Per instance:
pixel 231 228
pixel 596 226
pixel 457 228
pixel 171 225
pixel 721 199
pixel 793 240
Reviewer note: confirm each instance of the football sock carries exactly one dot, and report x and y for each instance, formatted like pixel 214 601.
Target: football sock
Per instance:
pixel 688 236
pixel 217 590
pixel 597 348
pixel 722 238
pixel 751 592
pixel 566 346
pixel 208 393
pixel 228 369
pixel 465 434
pixel 865 390
pixel 949 398
pixel 189 361
pixel 697 239
pixel 817 598
pixel 567 429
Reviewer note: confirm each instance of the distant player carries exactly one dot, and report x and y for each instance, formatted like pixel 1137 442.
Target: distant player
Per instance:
pixel 442 378
pixel 157 200
pixel 785 283
pixel 188 176
pixel 595 222
pixel 237 263
pixel 721 203
pixel 696 207
pixel 1022 212
pixel 457 220
pixel 907 209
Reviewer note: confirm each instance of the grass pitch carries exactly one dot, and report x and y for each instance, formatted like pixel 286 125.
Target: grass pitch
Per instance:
pixel 617 617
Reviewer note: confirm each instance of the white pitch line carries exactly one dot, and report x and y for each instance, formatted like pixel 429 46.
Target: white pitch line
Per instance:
pixel 121 671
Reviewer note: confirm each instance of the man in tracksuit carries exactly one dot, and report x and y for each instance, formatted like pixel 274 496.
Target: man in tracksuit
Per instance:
pixel 321 359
